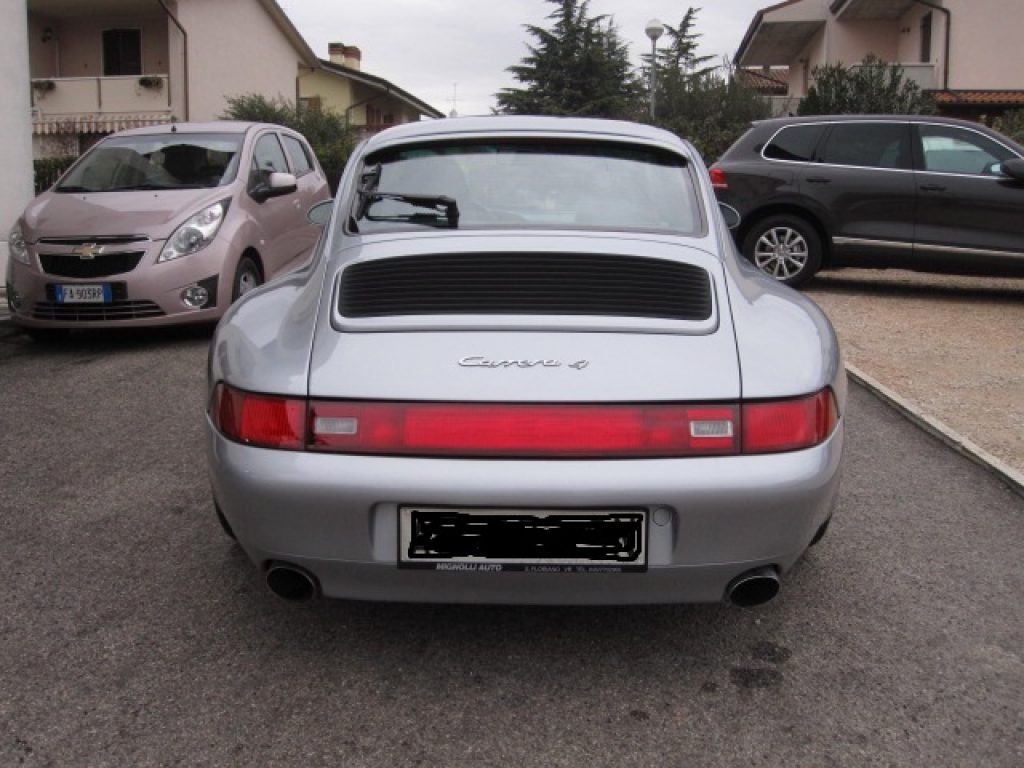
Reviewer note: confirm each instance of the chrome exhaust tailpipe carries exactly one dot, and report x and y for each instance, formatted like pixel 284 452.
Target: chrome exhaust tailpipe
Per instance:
pixel 754 587
pixel 291 583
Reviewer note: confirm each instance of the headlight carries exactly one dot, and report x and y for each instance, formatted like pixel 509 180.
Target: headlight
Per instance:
pixel 196 233
pixel 17 246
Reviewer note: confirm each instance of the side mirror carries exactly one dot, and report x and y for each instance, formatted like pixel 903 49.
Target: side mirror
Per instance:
pixel 1013 168
pixel 274 185
pixel 320 213
pixel 730 215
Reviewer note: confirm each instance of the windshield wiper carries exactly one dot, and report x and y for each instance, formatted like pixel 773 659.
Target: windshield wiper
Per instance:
pixel 160 187
pixel 445 211
pixel 73 188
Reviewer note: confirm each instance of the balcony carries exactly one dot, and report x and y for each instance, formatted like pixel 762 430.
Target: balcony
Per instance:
pixel 99 104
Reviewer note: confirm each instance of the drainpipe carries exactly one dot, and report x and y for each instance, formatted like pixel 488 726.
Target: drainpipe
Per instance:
pixel 184 36
pixel 949 24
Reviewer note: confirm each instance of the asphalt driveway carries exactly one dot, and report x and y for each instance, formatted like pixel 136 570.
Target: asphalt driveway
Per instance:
pixel 133 633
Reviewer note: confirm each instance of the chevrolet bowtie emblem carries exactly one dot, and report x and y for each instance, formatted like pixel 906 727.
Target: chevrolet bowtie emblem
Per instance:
pixel 87 251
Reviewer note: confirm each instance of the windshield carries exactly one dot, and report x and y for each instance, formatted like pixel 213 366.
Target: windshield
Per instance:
pixel 530 185
pixel 156 161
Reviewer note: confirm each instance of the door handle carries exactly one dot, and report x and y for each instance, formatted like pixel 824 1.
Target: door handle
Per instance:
pixel 932 188
pixel 818 180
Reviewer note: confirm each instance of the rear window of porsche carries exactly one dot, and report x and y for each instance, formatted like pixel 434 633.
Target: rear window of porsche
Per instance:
pixel 528 185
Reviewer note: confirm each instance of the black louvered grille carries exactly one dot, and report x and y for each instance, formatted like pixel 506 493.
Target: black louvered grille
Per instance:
pixel 116 310
pixel 526 283
pixel 101 265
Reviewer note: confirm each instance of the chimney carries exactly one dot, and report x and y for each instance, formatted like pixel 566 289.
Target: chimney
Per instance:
pixel 344 55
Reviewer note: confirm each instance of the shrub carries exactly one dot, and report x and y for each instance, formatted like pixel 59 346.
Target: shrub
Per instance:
pixel 1011 124
pixel 325 130
pixel 48 169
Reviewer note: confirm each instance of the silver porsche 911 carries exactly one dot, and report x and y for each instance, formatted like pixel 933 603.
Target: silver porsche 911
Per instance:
pixel 525 365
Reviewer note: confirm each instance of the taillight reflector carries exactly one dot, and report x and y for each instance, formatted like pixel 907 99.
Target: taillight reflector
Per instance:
pixel 789 425
pixel 260 420
pixel 718 178
pixel 559 431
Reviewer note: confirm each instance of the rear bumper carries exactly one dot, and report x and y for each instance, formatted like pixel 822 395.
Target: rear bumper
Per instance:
pixel 337 517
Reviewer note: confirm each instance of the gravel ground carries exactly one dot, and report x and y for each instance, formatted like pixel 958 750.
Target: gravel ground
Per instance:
pixel 953 346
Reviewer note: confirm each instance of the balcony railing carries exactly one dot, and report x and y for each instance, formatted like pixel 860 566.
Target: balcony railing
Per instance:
pixel 98 95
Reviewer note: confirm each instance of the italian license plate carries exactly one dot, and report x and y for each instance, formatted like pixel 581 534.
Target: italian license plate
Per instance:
pixel 539 541
pixel 84 294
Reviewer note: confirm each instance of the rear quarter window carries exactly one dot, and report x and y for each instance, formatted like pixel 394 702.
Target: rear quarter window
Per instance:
pixel 298 154
pixel 795 143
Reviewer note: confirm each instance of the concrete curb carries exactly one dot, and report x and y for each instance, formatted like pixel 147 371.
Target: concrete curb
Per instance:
pixel 934 427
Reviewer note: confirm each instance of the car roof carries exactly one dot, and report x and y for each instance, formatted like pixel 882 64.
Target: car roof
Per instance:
pixel 513 124
pixel 778 122
pixel 212 126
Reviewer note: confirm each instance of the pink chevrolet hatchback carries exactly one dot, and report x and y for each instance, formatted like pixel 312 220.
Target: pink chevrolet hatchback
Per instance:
pixel 163 225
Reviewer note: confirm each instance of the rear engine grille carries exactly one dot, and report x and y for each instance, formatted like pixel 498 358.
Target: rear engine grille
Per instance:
pixel 101 265
pixel 116 310
pixel 526 283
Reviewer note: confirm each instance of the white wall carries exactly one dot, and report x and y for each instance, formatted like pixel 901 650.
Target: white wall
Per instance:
pixel 15 119
pixel 234 48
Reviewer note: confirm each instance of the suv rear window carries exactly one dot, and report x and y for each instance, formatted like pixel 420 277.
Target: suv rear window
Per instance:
pixel 868 145
pixel 794 142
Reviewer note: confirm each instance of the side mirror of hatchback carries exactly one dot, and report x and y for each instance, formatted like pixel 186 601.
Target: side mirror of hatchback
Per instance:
pixel 274 184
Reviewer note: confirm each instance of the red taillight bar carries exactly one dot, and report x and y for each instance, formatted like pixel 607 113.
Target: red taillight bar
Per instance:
pixel 789 425
pixel 545 431
pixel 718 178
pixel 265 421
pixel 523 430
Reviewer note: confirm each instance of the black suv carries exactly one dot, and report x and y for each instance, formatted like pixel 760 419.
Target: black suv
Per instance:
pixel 914 192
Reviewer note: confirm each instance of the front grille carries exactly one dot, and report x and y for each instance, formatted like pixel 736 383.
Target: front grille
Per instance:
pixel 101 265
pixel 526 283
pixel 95 240
pixel 116 310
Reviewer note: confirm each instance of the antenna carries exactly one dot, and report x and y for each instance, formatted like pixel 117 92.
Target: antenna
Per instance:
pixel 455 98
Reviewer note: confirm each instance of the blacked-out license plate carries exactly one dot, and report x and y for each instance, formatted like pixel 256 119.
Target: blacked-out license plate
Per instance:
pixel 542 541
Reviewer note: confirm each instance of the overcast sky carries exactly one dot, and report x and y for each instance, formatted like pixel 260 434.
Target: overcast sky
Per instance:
pixel 435 49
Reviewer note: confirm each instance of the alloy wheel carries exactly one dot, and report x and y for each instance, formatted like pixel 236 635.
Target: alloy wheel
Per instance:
pixel 781 252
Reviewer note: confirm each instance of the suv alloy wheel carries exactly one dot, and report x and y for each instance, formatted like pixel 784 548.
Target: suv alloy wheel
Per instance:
pixel 784 247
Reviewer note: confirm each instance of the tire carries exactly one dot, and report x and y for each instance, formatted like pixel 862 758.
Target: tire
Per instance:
pixel 224 524
pixel 784 247
pixel 47 335
pixel 247 277
pixel 820 533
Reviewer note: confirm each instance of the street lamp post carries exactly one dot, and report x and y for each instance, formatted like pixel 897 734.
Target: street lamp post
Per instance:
pixel 654 30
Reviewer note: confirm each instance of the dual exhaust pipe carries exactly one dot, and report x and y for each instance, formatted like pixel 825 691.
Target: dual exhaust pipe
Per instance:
pixel 754 587
pixel 292 583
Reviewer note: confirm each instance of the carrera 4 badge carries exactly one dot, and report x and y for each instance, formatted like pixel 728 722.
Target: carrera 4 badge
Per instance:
pixel 479 361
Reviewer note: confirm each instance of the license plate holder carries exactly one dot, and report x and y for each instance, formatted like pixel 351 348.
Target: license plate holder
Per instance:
pixel 534 540
pixel 91 293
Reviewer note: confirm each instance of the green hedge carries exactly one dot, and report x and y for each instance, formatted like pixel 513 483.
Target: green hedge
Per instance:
pixel 48 170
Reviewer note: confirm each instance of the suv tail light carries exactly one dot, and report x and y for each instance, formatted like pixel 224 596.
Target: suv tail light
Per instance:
pixel 561 431
pixel 718 178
